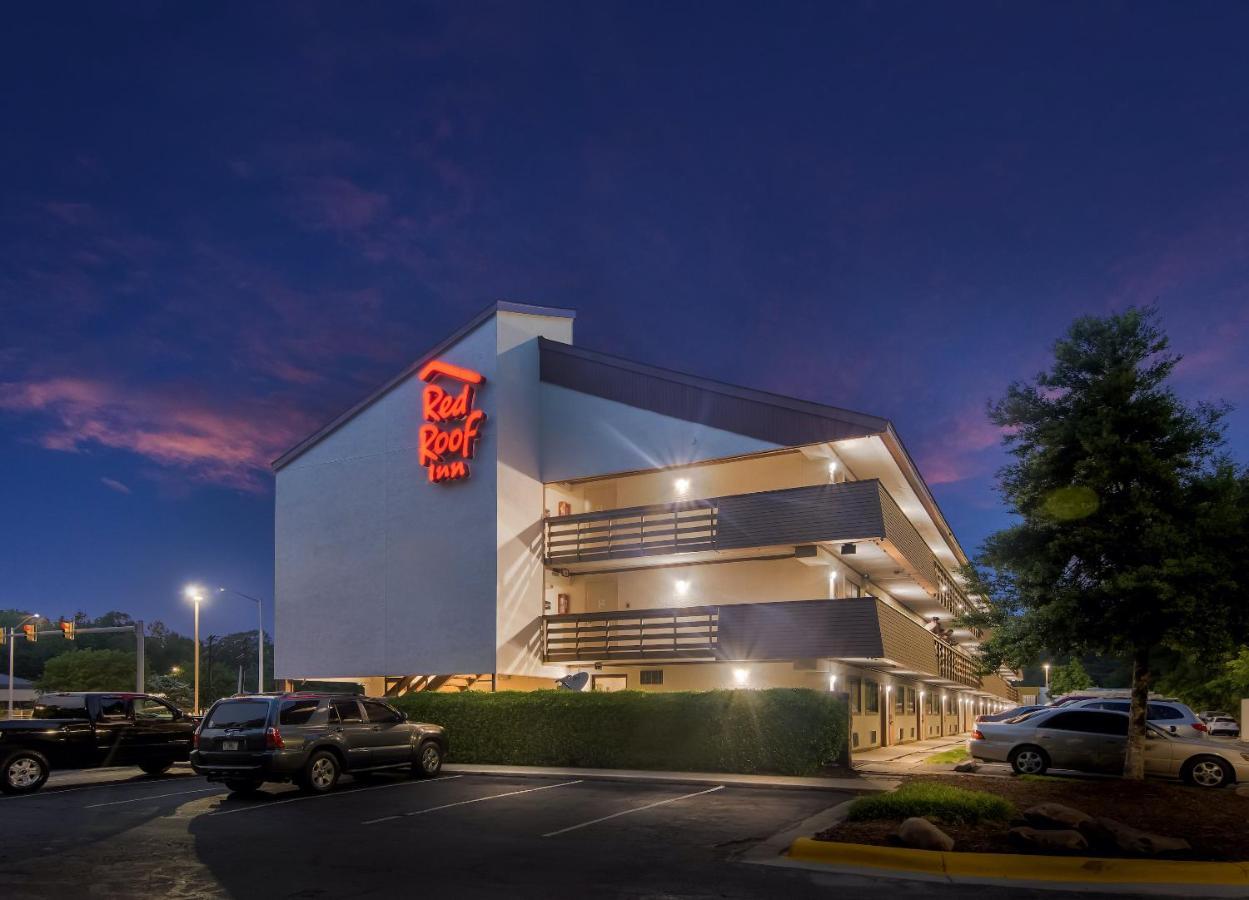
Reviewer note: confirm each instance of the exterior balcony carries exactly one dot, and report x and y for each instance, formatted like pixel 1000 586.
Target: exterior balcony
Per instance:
pixel 863 631
pixel 884 545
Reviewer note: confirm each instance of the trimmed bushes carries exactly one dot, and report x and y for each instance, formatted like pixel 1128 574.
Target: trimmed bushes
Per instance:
pixel 785 731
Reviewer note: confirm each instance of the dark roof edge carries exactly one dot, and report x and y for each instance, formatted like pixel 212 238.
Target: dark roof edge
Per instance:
pixel 439 348
pixel 874 423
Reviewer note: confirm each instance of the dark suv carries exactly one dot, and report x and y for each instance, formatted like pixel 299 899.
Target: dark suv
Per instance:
pixel 310 739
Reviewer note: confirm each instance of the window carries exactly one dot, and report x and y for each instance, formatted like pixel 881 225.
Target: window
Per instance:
pixel 114 708
pixel 910 702
pixel 297 712
pixel 855 688
pixel 346 712
pixel 238 714
pixel 1088 721
pixel 50 707
pixel 652 676
pixel 380 713
pixel 149 710
pixel 854 739
pixel 871 697
pixel 899 699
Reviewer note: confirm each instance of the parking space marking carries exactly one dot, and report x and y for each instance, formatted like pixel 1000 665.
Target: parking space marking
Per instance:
pixel 376 787
pixel 56 792
pixel 627 812
pixel 152 797
pixel 421 812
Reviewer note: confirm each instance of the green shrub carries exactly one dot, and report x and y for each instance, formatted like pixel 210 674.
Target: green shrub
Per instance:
pixel 787 731
pixel 951 805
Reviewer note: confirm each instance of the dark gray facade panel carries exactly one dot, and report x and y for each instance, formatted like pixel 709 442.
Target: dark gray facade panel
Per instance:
pixel 800 629
pixel 824 512
pixel 755 414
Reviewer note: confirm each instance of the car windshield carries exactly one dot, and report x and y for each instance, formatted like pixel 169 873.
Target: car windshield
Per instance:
pixel 61 708
pixel 238 714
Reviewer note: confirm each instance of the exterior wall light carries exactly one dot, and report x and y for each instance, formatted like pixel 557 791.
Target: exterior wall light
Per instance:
pixel 832 471
pixel 832 584
pixel 741 676
pixel 832 682
pixel 682 486
pixel 682 588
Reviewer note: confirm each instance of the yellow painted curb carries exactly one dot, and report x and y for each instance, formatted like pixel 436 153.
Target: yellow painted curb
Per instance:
pixel 1087 870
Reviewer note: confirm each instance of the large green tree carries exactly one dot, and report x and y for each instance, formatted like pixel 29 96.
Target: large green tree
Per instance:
pixel 89 670
pixel 1131 527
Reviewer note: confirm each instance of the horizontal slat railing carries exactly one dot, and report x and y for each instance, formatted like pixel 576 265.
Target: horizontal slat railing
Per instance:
pixel 690 632
pixel 684 527
pixel 955 665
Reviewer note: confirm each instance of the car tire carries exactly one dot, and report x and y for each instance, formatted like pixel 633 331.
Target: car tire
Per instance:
pixel 244 786
pixel 1208 772
pixel 321 773
pixel 428 762
pixel 1029 760
pixel 156 767
pixel 23 772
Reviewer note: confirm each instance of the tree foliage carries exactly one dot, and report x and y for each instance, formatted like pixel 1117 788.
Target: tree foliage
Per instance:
pixel 89 670
pixel 1130 524
pixel 1069 678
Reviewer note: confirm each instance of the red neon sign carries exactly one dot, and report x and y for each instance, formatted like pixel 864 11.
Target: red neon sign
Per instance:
pixel 448 439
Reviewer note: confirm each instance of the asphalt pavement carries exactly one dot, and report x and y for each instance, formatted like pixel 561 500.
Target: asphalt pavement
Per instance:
pixel 120 834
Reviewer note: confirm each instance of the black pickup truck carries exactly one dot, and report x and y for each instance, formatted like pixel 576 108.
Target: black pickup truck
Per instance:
pixel 87 730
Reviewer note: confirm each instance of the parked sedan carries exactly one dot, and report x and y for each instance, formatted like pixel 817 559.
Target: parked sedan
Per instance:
pixel 1008 713
pixel 1091 740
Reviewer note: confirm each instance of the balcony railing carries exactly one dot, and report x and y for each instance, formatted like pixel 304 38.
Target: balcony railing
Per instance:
pixel 682 527
pixel 687 633
pixel 955 665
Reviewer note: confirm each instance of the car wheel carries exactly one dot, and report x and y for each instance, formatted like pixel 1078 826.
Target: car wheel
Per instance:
pixel 244 785
pixel 1029 761
pixel 321 773
pixel 23 772
pixel 428 760
pixel 156 767
pixel 1207 772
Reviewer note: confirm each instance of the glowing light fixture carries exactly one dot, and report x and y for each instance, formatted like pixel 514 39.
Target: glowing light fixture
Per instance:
pixel 741 677
pixel 682 588
pixel 682 486
pixel 832 682
pixel 832 471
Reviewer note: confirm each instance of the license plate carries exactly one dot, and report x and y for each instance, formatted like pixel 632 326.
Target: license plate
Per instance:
pixel 229 745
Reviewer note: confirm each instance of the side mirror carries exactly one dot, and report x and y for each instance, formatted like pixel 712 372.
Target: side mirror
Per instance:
pixel 403 715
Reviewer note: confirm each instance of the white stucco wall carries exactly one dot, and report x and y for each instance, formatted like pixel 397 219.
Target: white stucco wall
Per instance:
pixel 379 572
pixel 583 435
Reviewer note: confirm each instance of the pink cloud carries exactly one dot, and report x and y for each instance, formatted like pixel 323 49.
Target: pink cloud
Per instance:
pixel 206 445
pixel 958 448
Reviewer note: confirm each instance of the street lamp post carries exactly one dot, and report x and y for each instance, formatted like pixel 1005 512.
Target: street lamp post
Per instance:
pixel 1046 667
pixel 260 635
pixel 12 643
pixel 196 596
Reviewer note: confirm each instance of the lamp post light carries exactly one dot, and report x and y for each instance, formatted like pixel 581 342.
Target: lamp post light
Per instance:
pixel 260 630
pixel 12 642
pixel 196 595
pixel 1046 667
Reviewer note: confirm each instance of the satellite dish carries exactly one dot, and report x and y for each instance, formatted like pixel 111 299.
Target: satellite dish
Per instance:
pixel 575 682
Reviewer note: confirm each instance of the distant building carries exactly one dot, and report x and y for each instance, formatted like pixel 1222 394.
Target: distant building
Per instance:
pixel 513 509
pixel 24 693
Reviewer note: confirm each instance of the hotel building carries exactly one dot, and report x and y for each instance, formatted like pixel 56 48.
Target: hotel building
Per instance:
pixel 512 509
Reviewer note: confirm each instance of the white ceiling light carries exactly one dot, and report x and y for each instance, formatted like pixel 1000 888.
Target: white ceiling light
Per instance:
pixel 682 486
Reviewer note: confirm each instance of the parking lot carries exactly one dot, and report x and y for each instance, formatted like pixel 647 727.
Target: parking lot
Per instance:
pixel 117 833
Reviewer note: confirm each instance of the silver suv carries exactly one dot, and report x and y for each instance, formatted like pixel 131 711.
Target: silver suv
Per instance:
pixel 310 739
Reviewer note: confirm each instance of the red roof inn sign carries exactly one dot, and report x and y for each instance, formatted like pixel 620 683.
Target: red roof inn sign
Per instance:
pixel 448 438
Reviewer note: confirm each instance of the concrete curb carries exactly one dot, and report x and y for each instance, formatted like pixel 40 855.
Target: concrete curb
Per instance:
pixel 783 782
pixel 1055 872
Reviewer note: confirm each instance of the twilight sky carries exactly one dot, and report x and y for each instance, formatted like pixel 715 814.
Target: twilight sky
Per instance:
pixel 221 224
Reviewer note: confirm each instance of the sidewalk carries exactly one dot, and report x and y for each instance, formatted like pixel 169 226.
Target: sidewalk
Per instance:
pixel 856 784
pixel 902 759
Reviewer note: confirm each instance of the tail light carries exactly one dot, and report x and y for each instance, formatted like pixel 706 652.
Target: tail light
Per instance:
pixel 273 739
pixel 195 739
pixel 1200 726
pixel 977 735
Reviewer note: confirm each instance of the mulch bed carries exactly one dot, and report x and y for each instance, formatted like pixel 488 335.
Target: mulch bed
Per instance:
pixel 1215 822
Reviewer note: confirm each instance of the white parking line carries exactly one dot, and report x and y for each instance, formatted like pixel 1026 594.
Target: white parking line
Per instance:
pixel 56 792
pixel 377 787
pixel 631 811
pixel 420 812
pixel 151 797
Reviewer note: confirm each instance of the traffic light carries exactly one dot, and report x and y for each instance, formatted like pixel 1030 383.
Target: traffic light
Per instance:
pixel 67 629
pixel 32 632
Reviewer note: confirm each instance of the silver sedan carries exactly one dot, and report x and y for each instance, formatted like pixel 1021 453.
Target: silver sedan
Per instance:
pixel 1089 740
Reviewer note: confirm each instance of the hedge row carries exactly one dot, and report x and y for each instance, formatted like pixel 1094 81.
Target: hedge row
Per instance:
pixel 785 731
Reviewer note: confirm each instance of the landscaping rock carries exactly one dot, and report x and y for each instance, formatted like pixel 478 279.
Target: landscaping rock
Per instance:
pixel 970 766
pixel 1055 815
pixel 1065 840
pixel 1103 832
pixel 923 835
